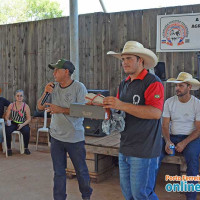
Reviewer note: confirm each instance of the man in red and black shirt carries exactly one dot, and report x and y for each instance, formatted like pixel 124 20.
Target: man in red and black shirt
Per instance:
pixel 141 97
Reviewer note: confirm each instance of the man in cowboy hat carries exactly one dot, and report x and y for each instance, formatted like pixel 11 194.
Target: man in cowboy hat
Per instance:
pixel 141 97
pixel 181 124
pixel 3 103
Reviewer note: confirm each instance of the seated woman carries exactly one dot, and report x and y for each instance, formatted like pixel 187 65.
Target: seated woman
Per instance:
pixel 19 114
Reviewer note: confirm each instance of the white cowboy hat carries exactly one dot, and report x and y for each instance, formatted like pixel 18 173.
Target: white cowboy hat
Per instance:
pixel 185 77
pixel 137 49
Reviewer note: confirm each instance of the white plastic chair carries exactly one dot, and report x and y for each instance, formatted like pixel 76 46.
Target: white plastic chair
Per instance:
pixel 43 129
pixel 21 140
pixel 4 137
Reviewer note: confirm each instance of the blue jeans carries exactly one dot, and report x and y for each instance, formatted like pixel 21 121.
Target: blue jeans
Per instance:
pixel 77 155
pixel 191 155
pixel 137 177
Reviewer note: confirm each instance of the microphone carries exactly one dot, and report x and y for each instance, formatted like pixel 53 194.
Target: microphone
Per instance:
pixel 46 96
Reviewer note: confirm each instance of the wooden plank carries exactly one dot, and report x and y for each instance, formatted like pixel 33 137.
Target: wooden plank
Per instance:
pixel 102 150
pixel 3 63
pixel 196 8
pixel 41 60
pixel 14 57
pixel 82 50
pixel 31 66
pixel 134 27
pixel 114 64
pixel 21 53
pixel 49 51
pixel 105 82
pixel 91 139
pixel 174 159
pixel 99 28
pixel 96 140
pixel 64 38
pixel 89 51
pixel 9 67
pixel 109 141
pixel 56 39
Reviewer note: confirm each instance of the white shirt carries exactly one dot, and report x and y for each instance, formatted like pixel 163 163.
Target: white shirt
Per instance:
pixel 182 115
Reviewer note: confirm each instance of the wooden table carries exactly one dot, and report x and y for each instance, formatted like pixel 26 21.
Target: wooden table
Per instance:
pixel 108 145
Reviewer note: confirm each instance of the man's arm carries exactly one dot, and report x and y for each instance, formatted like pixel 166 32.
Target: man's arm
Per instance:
pixel 194 135
pixel 49 89
pixel 140 111
pixel 54 109
pixel 166 134
pixel 39 106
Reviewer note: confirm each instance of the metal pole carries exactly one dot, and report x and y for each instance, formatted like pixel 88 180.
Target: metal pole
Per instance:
pixel 103 6
pixel 74 47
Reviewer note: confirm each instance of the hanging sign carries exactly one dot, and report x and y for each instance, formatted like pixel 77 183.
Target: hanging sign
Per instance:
pixel 178 33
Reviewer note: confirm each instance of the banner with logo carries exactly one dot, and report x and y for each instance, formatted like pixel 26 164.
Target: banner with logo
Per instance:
pixel 178 33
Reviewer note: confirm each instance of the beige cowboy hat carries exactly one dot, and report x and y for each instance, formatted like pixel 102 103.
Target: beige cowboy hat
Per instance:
pixel 185 77
pixel 135 48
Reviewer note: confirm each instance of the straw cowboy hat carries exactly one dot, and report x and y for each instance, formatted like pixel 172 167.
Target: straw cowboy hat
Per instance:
pixel 137 49
pixel 185 77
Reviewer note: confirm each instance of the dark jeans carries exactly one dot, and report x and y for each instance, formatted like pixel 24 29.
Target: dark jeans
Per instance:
pixel 191 154
pixel 77 155
pixel 24 130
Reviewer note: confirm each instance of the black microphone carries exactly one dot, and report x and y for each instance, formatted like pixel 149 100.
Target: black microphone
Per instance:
pixel 46 96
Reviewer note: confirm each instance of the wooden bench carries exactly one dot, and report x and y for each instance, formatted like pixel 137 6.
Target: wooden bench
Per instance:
pixel 98 146
pixel 178 159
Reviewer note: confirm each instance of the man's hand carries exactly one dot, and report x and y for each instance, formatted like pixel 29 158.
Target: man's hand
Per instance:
pixel 167 149
pixel 53 109
pixel 112 102
pixel 49 87
pixel 180 146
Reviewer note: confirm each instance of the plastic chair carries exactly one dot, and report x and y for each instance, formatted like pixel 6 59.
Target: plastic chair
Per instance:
pixel 4 137
pixel 21 140
pixel 43 129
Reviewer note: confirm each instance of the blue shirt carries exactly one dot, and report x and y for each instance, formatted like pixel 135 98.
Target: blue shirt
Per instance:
pixel 3 103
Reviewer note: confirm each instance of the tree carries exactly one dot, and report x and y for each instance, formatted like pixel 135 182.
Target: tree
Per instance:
pixel 28 10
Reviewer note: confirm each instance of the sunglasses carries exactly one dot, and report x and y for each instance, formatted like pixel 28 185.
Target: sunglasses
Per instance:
pixel 19 95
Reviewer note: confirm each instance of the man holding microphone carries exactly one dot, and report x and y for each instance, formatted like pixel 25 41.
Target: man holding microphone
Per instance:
pixel 67 133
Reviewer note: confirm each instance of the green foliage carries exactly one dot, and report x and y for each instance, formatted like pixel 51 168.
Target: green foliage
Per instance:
pixel 13 11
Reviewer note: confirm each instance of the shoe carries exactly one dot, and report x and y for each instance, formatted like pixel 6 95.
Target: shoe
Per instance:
pixel 9 152
pixel 27 152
